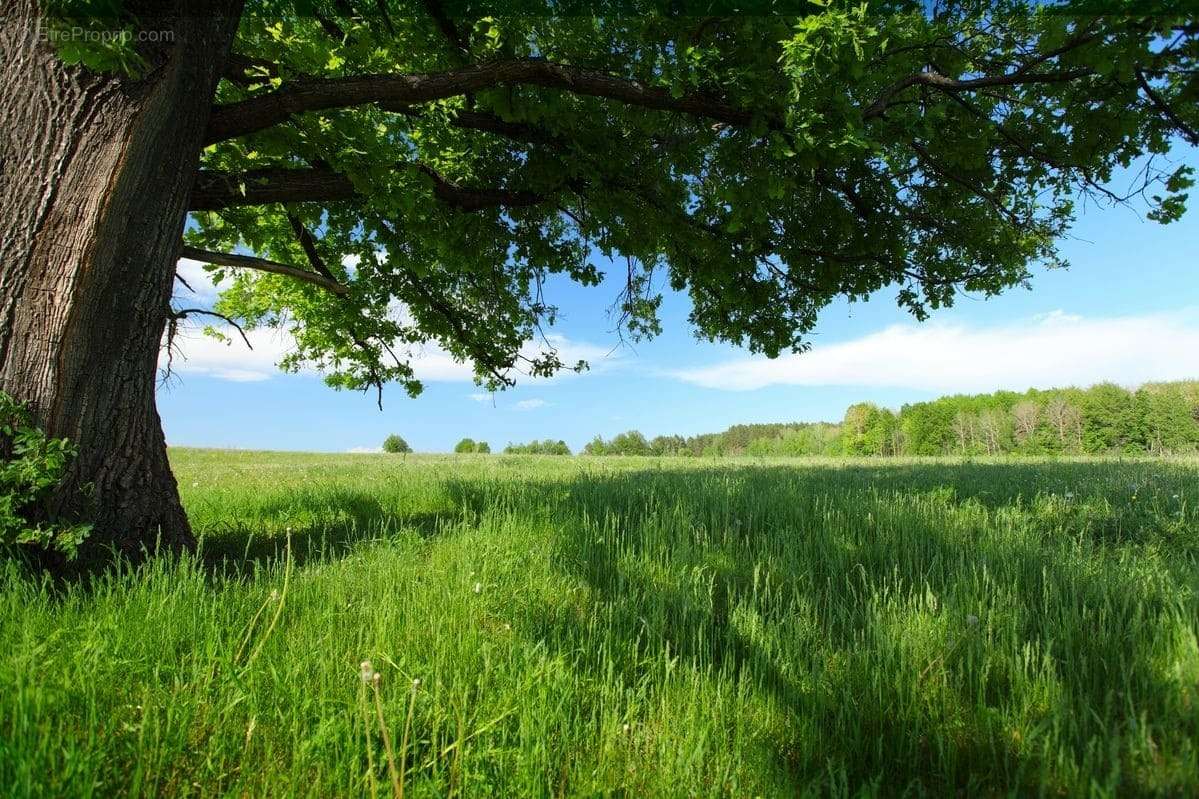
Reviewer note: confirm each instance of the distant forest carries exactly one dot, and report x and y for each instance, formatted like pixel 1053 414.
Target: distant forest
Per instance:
pixel 1157 418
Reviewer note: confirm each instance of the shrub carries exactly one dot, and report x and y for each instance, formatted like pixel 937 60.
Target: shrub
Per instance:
pixel 32 465
pixel 396 445
pixel 483 448
pixel 466 445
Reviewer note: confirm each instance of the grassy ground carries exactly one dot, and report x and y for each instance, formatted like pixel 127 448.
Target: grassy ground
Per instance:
pixel 625 627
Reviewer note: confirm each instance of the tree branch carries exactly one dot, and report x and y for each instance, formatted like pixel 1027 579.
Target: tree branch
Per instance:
pixel 447 27
pixel 951 85
pixel 183 313
pixel 257 113
pixel 1189 133
pixel 216 190
pixel 263 265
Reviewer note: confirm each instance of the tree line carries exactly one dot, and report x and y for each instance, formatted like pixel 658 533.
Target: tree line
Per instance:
pixel 1157 418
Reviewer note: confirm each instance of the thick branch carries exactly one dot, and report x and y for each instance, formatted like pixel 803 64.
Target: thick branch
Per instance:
pixel 254 114
pixel 216 190
pixel 238 66
pixel 263 265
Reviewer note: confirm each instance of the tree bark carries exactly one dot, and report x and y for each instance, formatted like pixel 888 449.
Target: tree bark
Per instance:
pixel 95 173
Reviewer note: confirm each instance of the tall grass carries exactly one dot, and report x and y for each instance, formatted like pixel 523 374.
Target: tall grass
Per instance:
pixel 626 627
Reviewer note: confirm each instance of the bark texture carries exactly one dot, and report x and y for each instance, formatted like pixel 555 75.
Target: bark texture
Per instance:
pixel 95 172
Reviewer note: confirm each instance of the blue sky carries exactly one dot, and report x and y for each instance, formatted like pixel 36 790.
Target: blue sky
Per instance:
pixel 1127 310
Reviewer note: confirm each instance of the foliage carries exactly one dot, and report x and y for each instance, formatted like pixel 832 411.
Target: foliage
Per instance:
pixel 396 445
pixel 690 629
pixel 469 445
pixel 98 34
pixel 630 443
pixel 765 165
pixel 1155 419
pixel 32 465
pixel 546 447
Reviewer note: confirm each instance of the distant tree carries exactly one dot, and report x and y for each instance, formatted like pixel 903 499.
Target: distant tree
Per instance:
pixel 990 428
pixel 396 445
pixel 1025 416
pixel 668 445
pixel 482 448
pixel 546 447
pixel 630 443
pixel 596 446
pixel 466 445
pixel 963 431
pixel 868 430
pixel 1165 419
pixel 1108 419
pixel 1065 421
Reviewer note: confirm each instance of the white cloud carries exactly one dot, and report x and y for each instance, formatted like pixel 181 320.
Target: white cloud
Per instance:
pixel 530 404
pixel 365 450
pixel 202 290
pixel 479 397
pixel 199 354
pixel 1055 349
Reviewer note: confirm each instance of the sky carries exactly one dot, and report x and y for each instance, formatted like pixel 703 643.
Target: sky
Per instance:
pixel 1126 311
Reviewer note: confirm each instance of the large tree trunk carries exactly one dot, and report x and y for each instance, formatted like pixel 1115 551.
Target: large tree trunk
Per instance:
pixel 95 172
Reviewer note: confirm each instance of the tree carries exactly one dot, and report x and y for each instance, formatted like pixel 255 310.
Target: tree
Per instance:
pixel 596 446
pixel 991 424
pixel 668 446
pixel 964 429
pixel 1165 418
pixel 380 156
pixel 1108 418
pixel 546 447
pixel 396 445
pixel 1026 414
pixel 630 443
pixel 482 448
pixel 1066 421
pixel 466 445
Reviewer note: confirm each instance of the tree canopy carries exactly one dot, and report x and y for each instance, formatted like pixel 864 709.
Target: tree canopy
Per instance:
pixel 409 175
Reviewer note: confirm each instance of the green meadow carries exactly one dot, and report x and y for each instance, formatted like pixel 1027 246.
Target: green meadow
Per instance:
pixel 554 626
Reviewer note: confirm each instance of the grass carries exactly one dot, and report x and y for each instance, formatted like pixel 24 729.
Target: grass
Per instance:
pixel 625 627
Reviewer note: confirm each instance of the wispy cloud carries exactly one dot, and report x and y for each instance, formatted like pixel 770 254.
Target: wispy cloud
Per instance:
pixel 479 397
pixel 365 450
pixel 1055 349
pixel 530 404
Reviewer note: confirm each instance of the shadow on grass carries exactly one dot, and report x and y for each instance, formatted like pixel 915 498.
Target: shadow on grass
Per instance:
pixel 316 528
pixel 635 538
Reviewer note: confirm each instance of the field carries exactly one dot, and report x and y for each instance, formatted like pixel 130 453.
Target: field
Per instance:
pixel 625 627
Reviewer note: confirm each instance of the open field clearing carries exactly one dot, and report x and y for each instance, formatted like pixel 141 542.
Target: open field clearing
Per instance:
pixel 623 626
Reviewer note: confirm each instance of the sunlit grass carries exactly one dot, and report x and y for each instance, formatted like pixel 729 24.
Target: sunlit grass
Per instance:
pixel 625 626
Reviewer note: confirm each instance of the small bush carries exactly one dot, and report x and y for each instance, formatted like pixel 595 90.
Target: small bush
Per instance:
pixel 396 445
pixel 32 465
pixel 482 448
